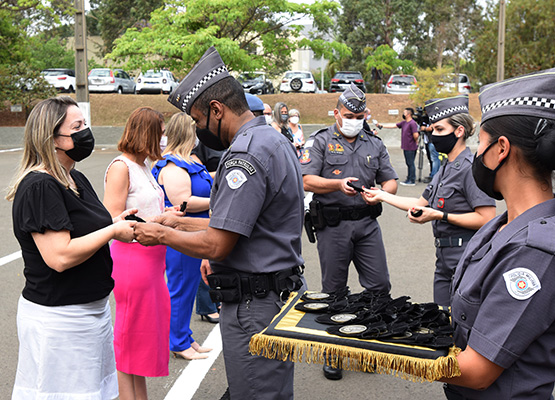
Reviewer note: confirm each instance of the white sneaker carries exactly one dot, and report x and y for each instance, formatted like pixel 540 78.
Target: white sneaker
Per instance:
pixel 407 183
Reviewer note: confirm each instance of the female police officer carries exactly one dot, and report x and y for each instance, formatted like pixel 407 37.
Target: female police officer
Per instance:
pixel 452 201
pixel 503 289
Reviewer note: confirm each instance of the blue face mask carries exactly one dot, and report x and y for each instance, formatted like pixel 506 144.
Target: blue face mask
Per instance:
pixel 485 177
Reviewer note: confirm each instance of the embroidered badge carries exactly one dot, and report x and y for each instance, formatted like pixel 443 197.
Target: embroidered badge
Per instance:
pixel 339 148
pixel 330 147
pixel 336 172
pixel 235 179
pixel 521 283
pixel 441 202
pixel 305 158
pixel 239 162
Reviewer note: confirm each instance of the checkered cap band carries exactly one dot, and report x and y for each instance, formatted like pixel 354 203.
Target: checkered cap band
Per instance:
pixel 352 106
pixel 540 102
pixel 448 112
pixel 200 84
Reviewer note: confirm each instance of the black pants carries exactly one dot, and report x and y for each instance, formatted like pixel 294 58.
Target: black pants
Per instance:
pixel 451 393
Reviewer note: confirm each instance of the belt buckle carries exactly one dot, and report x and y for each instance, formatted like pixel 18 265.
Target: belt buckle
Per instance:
pixel 436 242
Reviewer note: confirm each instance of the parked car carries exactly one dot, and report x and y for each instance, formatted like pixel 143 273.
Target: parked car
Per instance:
pixel 401 84
pixel 343 79
pixel 255 83
pixel 62 79
pixel 153 81
pixel 298 81
pixel 110 80
pixel 463 85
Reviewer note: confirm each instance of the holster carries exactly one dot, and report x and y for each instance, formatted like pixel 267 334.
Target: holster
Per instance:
pixel 316 214
pixel 309 228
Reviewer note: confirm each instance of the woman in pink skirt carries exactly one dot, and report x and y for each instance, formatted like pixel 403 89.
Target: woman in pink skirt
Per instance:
pixel 141 331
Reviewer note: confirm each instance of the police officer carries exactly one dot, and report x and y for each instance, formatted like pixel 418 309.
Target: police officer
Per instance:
pixel 334 157
pixel 504 287
pixel 252 240
pixel 452 201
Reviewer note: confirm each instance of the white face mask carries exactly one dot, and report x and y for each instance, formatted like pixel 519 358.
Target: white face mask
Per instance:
pixel 294 120
pixel 163 142
pixel 351 127
pixel 268 119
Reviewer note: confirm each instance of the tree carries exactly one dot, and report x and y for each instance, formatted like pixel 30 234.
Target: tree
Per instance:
pixel 528 39
pixel 367 24
pixel 428 87
pixel 249 34
pixel 384 60
pixel 20 84
pixel 114 17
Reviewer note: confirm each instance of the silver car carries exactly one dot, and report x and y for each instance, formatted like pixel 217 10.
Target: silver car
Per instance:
pixel 401 84
pixel 108 80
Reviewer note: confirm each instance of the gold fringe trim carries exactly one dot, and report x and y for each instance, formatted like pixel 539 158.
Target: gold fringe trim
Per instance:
pixel 354 359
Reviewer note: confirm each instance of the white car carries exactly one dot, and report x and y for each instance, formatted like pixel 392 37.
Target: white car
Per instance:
pixel 110 80
pixel 156 82
pixel 401 84
pixel 62 79
pixel 298 82
pixel 464 83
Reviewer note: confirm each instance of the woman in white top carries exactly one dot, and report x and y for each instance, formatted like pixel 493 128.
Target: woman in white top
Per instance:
pixel 141 331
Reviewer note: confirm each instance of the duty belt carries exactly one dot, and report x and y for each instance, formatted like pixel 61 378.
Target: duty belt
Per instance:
pixel 232 286
pixel 452 241
pixel 333 214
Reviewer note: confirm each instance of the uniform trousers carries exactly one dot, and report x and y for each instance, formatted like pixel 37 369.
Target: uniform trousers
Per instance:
pixel 248 376
pixel 357 241
pixel 183 273
pixel 447 259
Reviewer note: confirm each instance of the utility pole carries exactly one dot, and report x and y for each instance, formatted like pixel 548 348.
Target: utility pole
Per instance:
pixel 501 43
pixel 81 68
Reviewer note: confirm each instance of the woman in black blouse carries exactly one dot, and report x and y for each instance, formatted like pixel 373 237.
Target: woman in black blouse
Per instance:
pixel 63 319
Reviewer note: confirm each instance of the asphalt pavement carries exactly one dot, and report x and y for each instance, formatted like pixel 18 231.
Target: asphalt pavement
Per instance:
pixel 411 259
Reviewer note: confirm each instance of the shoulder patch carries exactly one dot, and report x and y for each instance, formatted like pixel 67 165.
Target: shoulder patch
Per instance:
pixel 305 158
pixel 235 179
pixel 521 283
pixel 239 162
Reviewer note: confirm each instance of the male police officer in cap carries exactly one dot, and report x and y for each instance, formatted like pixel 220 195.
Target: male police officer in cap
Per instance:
pixel 253 240
pixel 346 227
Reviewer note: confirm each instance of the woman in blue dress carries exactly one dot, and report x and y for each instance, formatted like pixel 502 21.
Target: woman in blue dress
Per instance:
pixel 183 180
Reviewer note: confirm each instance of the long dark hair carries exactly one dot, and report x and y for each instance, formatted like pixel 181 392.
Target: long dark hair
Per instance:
pixel 533 136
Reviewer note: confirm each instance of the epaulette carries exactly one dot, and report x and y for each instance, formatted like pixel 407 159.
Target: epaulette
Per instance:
pixel 319 131
pixel 242 142
pixel 540 235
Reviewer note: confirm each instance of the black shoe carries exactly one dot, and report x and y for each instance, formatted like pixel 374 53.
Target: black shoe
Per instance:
pixel 333 374
pixel 210 319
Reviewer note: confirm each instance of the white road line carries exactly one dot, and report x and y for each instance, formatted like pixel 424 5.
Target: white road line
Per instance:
pixel 10 258
pixel 190 379
pixel 16 149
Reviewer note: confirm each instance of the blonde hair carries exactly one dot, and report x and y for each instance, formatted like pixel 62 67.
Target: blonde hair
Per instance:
pixel 39 150
pixel 181 133
pixel 294 111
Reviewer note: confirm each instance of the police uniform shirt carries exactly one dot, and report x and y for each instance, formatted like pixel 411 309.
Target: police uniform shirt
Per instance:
pixel 258 193
pixel 454 190
pixel 503 303
pixel 328 154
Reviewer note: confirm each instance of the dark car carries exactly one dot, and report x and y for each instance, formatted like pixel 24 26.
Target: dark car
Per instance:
pixel 343 79
pixel 256 83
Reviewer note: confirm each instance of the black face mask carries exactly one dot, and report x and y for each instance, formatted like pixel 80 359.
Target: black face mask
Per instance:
pixel 485 177
pixel 83 145
pixel 284 117
pixel 208 138
pixel 445 143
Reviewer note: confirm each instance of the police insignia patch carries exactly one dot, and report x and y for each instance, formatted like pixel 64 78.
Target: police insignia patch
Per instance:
pixel 239 162
pixel 521 283
pixel 441 202
pixel 235 179
pixel 305 158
